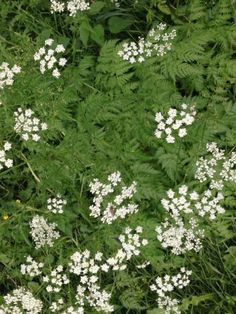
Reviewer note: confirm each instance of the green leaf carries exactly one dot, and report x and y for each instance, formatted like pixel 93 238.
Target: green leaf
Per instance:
pixel 97 34
pixel 33 286
pixel 164 8
pixel 96 7
pixel 156 311
pixel 195 300
pixel 84 31
pixel 118 24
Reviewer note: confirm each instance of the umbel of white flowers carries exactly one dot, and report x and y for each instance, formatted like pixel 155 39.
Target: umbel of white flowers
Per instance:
pixel 72 6
pixel 7 74
pixel 109 206
pixel 42 232
pixel 21 301
pixel 47 57
pixel 167 284
pixel 28 126
pixel 175 123
pixel 217 168
pixel 4 161
pixel 56 204
pixel 157 43
pixel 180 231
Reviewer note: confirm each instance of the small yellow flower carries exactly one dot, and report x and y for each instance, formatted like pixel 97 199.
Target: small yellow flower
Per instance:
pixel 18 201
pixel 5 217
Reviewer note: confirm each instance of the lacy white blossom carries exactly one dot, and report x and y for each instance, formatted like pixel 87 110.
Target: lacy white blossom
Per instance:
pixel 27 125
pixel 31 268
pixel 184 202
pixel 57 6
pixel 21 301
pixel 210 205
pixel 72 6
pixel 175 123
pixel 156 43
pixel 4 161
pixel 42 232
pixel 131 242
pixel 7 74
pixel 75 6
pixel 179 236
pixel 57 306
pixel 56 279
pixel 165 285
pixel 89 269
pixel 48 59
pixel 109 206
pixel 180 232
pixel 218 168
pixel 56 204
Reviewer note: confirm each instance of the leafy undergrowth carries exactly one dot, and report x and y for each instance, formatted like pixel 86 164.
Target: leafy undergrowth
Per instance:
pixel 117 157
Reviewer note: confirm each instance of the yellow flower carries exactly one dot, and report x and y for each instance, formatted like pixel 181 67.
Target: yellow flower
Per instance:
pixel 5 217
pixel 18 201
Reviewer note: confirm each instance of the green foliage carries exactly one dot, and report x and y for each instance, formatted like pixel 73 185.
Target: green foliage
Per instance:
pixel 100 117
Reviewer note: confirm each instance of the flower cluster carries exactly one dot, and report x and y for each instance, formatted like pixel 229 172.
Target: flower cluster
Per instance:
pixel 87 268
pixel 21 301
pixel 157 43
pixel 109 210
pixel 184 202
pixel 56 306
pixel 56 204
pixel 56 279
pixel 27 125
pixel 167 284
pixel 46 56
pixel 130 246
pixel 7 74
pixel 72 6
pixel 31 268
pixel 42 232
pixel 179 232
pixel 180 236
pixel 175 123
pixel 3 160
pixel 217 168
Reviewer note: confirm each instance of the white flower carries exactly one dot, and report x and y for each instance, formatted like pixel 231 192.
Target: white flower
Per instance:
pixel 120 207
pixel 182 132
pixel 62 62
pixel 156 43
pixel 175 119
pixel 166 284
pixel 27 125
pixel 4 161
pixel 74 6
pixel 7 74
pixel 31 268
pixel 48 42
pixel 21 301
pixel 42 232
pixel 56 279
pixel 56 204
pixel 56 73
pixel 47 57
pixel 217 169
